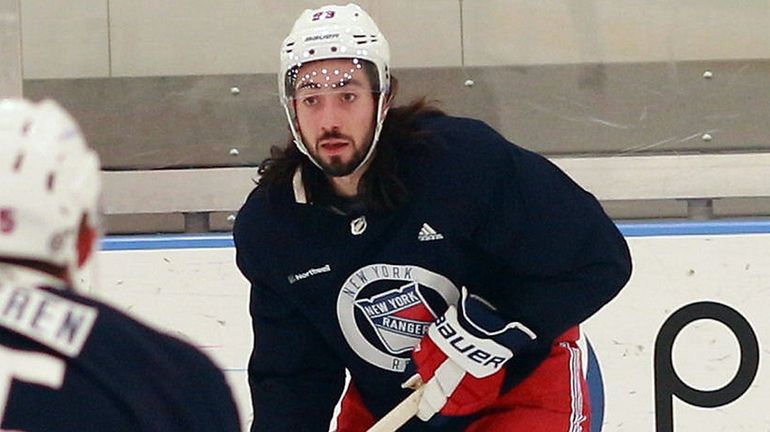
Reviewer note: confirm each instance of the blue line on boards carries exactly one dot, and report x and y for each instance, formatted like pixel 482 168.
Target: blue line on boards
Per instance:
pixel 684 228
pixel 629 229
pixel 167 241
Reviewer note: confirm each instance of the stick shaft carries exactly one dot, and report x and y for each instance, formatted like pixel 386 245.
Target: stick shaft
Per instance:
pixel 400 414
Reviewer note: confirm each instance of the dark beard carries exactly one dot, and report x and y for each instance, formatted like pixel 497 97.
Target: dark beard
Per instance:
pixel 337 168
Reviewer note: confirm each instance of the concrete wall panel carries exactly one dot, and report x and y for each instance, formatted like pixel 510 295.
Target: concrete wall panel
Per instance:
pixel 522 32
pixel 10 49
pixel 65 40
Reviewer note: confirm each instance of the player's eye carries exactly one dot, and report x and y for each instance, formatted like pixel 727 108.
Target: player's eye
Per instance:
pixel 349 97
pixel 309 100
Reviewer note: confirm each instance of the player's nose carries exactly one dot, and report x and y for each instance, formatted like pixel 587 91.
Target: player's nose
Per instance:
pixel 331 117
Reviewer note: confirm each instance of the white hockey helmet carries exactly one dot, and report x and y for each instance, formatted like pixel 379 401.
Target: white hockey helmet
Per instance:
pixel 333 32
pixel 50 179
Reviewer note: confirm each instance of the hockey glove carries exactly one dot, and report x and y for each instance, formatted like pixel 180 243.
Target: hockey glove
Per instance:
pixel 461 358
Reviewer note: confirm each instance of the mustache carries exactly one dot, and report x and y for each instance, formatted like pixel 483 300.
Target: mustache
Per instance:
pixel 334 134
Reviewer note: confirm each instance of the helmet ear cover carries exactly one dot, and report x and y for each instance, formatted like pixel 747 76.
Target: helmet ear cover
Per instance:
pixel 88 235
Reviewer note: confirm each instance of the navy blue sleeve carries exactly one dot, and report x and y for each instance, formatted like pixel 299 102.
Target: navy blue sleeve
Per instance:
pixel 294 376
pixel 561 256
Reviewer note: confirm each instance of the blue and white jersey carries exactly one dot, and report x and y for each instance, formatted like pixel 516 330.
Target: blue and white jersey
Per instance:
pixel 334 291
pixel 70 363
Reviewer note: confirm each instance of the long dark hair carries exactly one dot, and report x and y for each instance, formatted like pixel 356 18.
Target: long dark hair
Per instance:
pixel 380 188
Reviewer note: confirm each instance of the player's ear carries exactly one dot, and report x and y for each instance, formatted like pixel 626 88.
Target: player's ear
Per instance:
pixel 87 237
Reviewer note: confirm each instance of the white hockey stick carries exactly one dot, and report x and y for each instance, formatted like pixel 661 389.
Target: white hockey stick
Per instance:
pixel 400 414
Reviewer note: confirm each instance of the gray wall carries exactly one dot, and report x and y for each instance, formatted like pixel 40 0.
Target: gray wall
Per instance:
pixel 10 49
pixel 132 38
pixel 151 81
pixel 183 83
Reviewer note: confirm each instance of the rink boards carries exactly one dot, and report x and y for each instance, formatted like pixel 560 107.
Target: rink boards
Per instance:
pixel 682 347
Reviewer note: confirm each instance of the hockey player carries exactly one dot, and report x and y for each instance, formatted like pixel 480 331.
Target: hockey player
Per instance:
pixel 67 362
pixel 408 246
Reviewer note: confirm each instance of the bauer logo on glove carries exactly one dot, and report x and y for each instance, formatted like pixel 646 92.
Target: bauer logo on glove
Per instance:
pixel 485 356
pixel 461 358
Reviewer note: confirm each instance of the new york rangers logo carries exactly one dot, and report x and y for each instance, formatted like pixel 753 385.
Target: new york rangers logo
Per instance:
pixel 399 317
pixel 382 313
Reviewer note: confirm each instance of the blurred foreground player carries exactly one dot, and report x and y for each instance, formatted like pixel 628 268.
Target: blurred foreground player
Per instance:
pixel 67 362
pixel 405 245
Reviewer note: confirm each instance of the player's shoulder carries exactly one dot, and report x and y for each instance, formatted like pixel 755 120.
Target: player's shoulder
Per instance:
pixel 454 123
pixel 97 326
pixel 459 127
pixel 61 320
pixel 267 201
pixel 113 325
pixel 465 146
pixel 259 215
pixel 94 336
pixel 134 345
pixel 480 146
pixel 471 140
pixel 36 310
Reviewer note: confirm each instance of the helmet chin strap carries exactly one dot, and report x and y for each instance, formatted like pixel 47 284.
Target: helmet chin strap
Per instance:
pixel 382 111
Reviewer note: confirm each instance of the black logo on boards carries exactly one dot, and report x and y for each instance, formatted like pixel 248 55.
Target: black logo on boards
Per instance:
pixel 668 383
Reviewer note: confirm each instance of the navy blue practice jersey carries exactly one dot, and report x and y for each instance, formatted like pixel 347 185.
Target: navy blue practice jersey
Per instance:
pixel 334 291
pixel 69 363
